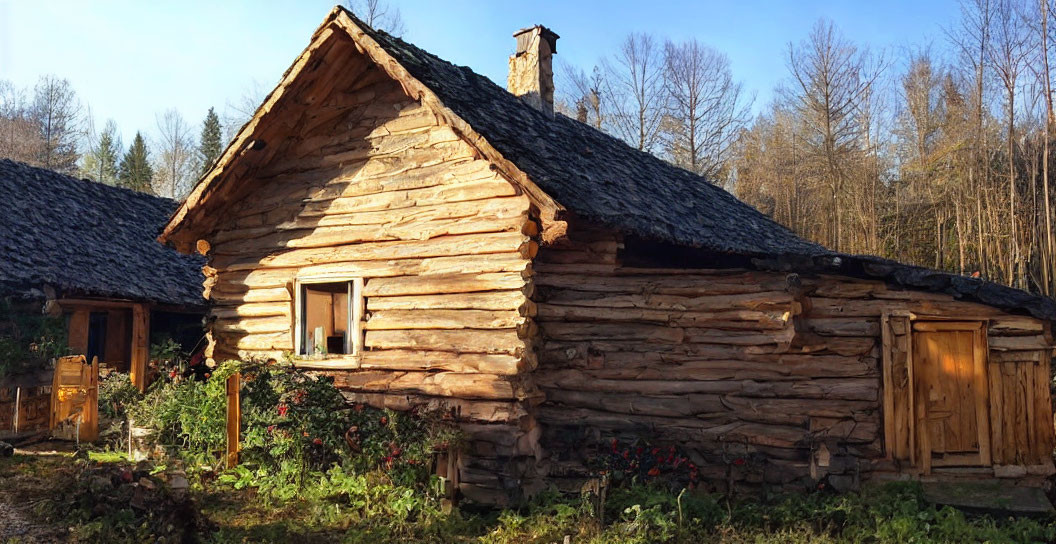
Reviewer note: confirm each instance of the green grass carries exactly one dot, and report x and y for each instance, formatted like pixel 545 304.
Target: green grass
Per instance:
pixel 371 507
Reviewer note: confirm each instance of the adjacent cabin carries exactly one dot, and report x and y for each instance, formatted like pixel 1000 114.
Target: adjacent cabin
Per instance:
pixel 88 251
pixel 427 237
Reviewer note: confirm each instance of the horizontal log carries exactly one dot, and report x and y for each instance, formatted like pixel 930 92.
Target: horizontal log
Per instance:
pixel 741 338
pixel 490 300
pixel 682 368
pixel 766 300
pixel 835 388
pixel 461 341
pixel 686 285
pixel 441 384
pixel 509 207
pixel 844 327
pixel 253 309
pixel 243 280
pixel 444 319
pixel 1019 343
pixel 732 319
pixel 440 284
pixel 455 192
pixel 622 331
pixel 1015 325
pixel 445 246
pixel 254 325
pixel 393 359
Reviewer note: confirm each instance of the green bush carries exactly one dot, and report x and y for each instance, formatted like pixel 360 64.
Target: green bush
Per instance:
pixel 28 339
pixel 116 394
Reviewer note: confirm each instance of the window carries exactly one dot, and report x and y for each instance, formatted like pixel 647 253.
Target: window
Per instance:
pixel 329 314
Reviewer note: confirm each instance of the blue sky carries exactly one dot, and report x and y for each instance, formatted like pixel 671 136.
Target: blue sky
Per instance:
pixel 131 60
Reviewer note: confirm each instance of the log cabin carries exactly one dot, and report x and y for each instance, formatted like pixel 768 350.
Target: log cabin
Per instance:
pixel 427 237
pixel 88 251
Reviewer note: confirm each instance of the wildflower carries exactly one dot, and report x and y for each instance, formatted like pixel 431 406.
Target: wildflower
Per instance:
pixel 282 410
pixel 654 472
pixel 173 374
pixel 384 420
pixel 626 454
pixel 739 461
pixel 271 428
pixel 305 433
pixel 318 441
pixel 655 451
pixel 357 407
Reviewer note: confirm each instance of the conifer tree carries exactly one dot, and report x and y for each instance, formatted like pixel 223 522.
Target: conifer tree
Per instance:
pixel 135 171
pixel 100 163
pixel 210 146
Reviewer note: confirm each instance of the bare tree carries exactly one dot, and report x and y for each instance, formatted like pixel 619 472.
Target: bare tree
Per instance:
pixel 636 88
pixel 1008 54
pixel 586 93
pixel 19 137
pixel 176 165
pixel 705 107
pixel 833 79
pixel 379 14
pixel 56 112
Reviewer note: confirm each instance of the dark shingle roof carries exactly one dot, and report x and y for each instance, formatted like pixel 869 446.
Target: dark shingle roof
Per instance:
pixel 593 174
pixel 603 179
pixel 88 239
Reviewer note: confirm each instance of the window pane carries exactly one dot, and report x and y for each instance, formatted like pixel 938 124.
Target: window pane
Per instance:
pixel 325 317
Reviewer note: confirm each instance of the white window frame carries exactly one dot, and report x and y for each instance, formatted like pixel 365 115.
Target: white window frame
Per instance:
pixel 354 326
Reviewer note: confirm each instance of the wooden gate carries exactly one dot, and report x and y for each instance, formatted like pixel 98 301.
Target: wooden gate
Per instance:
pixel 951 409
pixel 75 399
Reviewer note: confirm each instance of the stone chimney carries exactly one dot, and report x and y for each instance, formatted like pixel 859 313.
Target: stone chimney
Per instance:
pixel 531 67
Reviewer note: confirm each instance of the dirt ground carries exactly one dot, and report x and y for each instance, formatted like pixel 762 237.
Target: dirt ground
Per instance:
pixel 17 523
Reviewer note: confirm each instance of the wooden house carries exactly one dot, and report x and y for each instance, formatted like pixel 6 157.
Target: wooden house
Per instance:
pixel 428 237
pixel 88 251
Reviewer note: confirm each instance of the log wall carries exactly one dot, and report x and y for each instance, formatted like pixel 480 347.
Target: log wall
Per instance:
pixel 760 376
pixel 369 183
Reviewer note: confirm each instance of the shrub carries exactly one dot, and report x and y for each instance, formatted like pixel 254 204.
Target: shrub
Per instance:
pixel 28 339
pixel 116 394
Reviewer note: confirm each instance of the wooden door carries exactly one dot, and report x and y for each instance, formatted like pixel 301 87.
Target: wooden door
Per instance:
pixel 949 369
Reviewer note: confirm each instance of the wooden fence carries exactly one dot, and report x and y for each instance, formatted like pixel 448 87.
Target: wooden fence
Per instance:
pixel 24 409
pixel 75 399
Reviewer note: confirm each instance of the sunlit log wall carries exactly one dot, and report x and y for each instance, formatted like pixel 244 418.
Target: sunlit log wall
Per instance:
pixel 376 187
pixel 762 377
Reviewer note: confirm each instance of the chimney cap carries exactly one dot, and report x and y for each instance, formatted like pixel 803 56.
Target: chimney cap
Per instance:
pixel 549 35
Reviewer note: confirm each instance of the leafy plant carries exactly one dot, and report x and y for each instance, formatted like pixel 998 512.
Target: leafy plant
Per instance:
pixel 28 339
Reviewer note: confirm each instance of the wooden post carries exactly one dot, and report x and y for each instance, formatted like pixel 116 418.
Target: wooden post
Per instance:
pixel 140 345
pixel 89 429
pixel 77 334
pixel 234 417
pixel 18 400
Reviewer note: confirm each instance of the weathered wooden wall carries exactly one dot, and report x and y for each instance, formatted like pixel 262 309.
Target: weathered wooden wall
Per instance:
pixel 751 372
pixel 369 183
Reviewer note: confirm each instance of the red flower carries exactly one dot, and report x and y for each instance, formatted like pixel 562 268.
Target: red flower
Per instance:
pixel 626 454
pixel 639 450
pixel 173 374
pixel 384 420
pixel 654 472
pixel 271 428
pixel 282 410
pixel 738 461
pixel 655 451
pixel 318 441
pixel 615 446
pixel 357 407
pixel 305 433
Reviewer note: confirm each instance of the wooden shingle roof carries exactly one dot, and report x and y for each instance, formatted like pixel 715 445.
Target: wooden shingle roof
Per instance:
pixel 88 239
